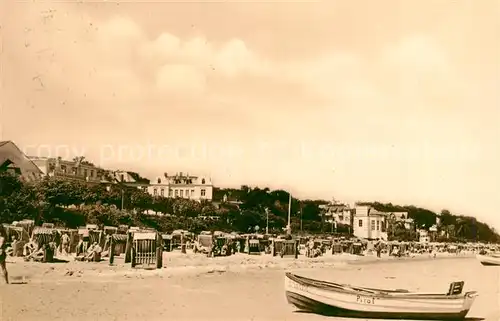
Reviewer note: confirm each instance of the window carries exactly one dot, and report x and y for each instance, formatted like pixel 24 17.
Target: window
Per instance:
pixel 63 168
pixel 122 177
pixel 74 170
pixel 378 225
pixel 182 193
pixel 176 193
pixel 373 225
pixel 203 192
pixel 162 192
pixel 169 193
pixel 159 180
pixel 155 192
pixel 192 192
pixel 203 181
pixel 85 173
pixel 144 188
pixel 360 223
pixel 187 193
pixel 91 173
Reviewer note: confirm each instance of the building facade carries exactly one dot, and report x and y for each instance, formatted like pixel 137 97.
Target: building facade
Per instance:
pixel 337 212
pixel 75 169
pixel 369 223
pixel 403 218
pixel 84 171
pixel 182 186
pixel 13 160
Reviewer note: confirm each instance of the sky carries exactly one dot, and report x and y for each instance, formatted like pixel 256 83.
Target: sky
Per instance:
pixel 395 101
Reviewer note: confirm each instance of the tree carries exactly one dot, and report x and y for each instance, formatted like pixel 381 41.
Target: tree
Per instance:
pixel 247 220
pixel 143 201
pixel 9 183
pixel 311 210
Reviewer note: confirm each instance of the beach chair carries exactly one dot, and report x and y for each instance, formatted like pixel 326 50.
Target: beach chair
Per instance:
pixel 146 251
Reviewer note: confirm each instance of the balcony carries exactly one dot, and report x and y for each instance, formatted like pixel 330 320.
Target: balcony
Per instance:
pixel 79 177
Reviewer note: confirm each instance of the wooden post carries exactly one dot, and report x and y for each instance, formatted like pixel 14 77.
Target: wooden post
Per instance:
pixel 111 250
pixel 159 252
pixel 273 244
pixel 45 254
pixel 132 257
pixel 48 254
pixel 296 249
pixel 128 248
pixel 101 237
pixel 183 244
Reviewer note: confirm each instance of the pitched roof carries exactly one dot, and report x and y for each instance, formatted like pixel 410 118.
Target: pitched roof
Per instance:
pixel 23 157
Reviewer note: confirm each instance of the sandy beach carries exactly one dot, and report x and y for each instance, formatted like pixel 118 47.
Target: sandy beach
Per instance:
pixel 242 287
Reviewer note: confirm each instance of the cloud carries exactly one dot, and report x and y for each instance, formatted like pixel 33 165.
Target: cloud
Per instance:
pixel 419 53
pixel 180 80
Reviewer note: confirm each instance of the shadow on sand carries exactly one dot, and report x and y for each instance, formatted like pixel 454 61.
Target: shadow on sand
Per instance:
pixel 354 318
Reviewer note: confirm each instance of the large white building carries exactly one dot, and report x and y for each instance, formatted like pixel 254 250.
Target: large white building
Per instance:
pixel 369 223
pixel 182 186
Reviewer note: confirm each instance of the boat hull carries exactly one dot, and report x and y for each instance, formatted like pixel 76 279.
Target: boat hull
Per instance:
pixel 306 304
pixel 488 260
pixel 308 298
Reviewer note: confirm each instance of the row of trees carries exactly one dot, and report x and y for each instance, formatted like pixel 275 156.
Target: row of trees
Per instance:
pixel 75 203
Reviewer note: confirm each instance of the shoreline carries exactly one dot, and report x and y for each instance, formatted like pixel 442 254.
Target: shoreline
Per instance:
pixel 177 264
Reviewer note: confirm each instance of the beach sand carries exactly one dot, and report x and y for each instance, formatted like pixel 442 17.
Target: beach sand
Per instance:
pixel 236 288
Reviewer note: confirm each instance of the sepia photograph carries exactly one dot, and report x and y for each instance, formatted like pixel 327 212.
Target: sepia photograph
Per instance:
pixel 315 160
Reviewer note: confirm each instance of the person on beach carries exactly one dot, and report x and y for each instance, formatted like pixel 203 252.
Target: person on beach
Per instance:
pixel 310 246
pixel 38 254
pixel 29 248
pixel 378 248
pixel 3 254
pixel 12 251
pixel 80 247
pixel 65 244
pixel 94 253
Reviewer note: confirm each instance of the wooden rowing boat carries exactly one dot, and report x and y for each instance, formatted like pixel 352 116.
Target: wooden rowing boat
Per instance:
pixel 334 299
pixel 489 259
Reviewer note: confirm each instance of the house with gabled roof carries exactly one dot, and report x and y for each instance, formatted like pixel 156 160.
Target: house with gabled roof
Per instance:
pixel 13 160
pixel 403 218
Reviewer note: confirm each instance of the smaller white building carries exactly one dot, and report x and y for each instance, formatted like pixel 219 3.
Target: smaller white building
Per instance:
pixel 337 212
pixel 369 223
pixel 403 217
pixel 423 236
pixel 182 186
